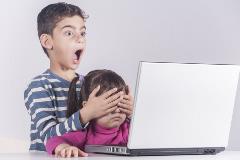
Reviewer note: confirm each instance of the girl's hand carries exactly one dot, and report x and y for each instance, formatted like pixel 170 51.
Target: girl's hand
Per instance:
pixel 126 104
pixel 65 150
pixel 99 106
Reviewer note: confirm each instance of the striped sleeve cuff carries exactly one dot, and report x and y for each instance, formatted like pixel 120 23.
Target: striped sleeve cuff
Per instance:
pixel 76 122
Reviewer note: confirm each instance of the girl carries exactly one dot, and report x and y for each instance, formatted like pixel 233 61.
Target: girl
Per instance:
pixel 108 129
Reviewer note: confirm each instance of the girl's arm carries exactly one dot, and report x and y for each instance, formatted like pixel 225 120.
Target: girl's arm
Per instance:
pixel 57 143
pixel 65 150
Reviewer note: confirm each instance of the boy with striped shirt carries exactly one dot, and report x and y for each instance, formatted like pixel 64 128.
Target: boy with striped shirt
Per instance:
pixel 61 31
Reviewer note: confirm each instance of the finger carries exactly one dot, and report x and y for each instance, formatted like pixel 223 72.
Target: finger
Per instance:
pixel 94 92
pixel 75 152
pixel 63 153
pixel 128 98
pixel 126 102
pixel 57 153
pixel 114 103
pixel 111 109
pixel 126 111
pixel 128 89
pixel 125 106
pixel 114 97
pixel 108 93
pixel 69 153
pixel 125 96
pixel 82 154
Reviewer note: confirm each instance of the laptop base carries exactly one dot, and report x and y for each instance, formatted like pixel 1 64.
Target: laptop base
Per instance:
pixel 176 151
pixel 122 150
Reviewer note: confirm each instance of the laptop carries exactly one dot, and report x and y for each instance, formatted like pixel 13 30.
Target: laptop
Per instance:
pixel 179 109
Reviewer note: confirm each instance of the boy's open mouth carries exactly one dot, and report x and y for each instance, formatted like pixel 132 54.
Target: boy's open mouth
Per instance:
pixel 78 53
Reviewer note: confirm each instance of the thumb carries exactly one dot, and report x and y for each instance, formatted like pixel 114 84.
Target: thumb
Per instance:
pixel 128 90
pixel 94 92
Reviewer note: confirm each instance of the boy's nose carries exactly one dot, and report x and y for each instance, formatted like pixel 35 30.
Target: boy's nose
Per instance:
pixel 80 38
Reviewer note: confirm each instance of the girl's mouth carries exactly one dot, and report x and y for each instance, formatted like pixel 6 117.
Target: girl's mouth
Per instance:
pixel 116 116
pixel 116 119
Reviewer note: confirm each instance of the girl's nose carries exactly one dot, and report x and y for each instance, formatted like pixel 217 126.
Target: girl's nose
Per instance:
pixel 117 110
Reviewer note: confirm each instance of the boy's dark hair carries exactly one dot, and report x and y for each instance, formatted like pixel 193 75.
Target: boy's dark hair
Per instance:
pixel 54 13
pixel 107 80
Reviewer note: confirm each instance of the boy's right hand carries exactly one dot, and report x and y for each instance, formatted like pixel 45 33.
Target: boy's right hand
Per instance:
pixel 101 105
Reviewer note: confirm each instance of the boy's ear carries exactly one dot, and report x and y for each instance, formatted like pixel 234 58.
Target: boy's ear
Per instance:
pixel 84 103
pixel 46 41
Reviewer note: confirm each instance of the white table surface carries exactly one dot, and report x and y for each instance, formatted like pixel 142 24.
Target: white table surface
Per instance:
pixel 226 155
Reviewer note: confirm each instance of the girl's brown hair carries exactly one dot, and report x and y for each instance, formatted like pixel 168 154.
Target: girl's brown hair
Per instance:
pixel 107 80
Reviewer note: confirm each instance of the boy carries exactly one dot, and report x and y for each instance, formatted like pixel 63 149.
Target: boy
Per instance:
pixel 61 30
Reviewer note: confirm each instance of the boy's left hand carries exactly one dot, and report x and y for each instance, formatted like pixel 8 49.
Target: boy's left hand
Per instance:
pixel 126 104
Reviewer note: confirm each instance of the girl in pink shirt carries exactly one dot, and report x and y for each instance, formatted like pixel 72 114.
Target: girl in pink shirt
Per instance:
pixel 108 129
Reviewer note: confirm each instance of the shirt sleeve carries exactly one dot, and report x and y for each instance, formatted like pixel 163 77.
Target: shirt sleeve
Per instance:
pixel 125 130
pixel 77 139
pixel 53 142
pixel 39 103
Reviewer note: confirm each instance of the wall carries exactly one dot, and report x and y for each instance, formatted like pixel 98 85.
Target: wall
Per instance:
pixel 119 34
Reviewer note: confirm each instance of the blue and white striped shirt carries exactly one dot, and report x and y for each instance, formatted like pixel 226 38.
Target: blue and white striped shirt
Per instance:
pixel 46 101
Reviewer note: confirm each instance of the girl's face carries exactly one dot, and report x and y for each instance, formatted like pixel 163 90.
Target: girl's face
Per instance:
pixel 112 120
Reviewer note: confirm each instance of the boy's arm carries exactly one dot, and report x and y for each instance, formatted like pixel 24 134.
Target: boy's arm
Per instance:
pixel 39 103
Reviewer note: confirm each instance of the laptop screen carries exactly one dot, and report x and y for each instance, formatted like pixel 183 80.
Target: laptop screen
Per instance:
pixel 183 105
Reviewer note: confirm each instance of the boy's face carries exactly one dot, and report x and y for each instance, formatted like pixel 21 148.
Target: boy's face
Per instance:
pixel 68 42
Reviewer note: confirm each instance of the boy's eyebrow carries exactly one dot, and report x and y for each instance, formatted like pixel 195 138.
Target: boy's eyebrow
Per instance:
pixel 83 27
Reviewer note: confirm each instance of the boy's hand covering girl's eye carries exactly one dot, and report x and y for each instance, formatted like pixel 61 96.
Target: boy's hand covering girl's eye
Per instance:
pixel 126 104
pixel 65 150
pixel 101 105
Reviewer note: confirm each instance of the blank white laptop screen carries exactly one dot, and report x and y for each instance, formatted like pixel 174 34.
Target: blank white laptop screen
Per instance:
pixel 188 105
pixel 179 109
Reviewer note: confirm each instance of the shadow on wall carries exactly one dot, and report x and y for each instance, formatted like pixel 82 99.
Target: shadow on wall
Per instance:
pixel 11 145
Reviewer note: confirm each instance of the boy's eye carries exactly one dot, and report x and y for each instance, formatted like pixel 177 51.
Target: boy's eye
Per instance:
pixel 68 33
pixel 83 34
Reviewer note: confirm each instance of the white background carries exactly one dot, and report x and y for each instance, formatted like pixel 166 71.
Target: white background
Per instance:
pixel 119 34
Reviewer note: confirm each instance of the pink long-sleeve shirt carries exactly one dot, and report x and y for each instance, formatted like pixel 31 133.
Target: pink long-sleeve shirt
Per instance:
pixel 100 135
